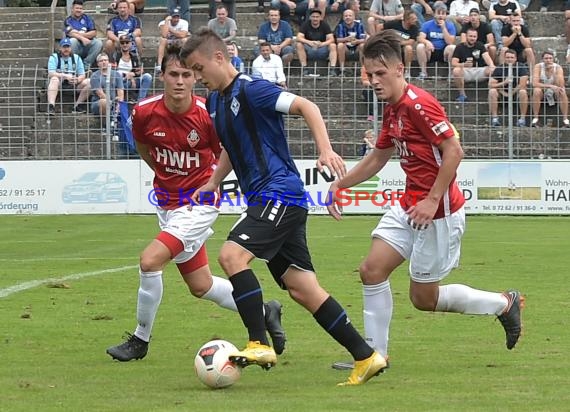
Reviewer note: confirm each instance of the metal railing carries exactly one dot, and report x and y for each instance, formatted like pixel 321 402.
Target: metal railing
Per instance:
pixel 27 132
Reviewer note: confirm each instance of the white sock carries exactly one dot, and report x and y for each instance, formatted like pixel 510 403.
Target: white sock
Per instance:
pixel 463 299
pixel 150 295
pixel 221 293
pixel 377 315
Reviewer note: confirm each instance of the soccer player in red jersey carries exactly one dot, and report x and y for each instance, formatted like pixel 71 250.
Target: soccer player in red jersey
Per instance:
pixel 177 140
pixel 425 228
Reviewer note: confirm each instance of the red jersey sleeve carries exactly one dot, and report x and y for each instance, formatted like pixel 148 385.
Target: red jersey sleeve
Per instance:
pixel 430 119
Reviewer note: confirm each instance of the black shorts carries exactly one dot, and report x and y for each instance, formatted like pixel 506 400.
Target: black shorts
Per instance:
pixel 436 56
pixel 275 233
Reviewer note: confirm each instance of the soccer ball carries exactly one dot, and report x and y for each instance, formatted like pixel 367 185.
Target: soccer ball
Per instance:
pixel 213 366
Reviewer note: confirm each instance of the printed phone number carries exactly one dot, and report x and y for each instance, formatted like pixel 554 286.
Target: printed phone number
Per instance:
pixel 22 192
pixel 515 208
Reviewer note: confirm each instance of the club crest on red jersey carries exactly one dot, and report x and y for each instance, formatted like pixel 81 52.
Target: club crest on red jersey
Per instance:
pixel 193 138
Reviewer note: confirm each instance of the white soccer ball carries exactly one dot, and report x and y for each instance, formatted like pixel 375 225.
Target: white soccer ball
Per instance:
pixel 213 366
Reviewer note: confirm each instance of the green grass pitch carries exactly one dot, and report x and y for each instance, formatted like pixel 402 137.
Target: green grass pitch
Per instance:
pixel 53 336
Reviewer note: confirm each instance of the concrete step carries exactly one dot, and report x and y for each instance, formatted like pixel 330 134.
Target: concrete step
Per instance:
pixel 11 31
pixel 17 53
pixel 24 61
pixel 27 15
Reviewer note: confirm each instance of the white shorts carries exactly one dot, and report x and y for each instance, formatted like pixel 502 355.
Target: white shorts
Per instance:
pixel 432 252
pixel 474 74
pixel 192 227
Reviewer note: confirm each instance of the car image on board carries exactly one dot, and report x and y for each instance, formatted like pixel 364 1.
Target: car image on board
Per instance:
pixel 96 187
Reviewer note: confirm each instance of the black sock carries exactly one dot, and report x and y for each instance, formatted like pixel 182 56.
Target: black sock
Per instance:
pixel 333 319
pixel 249 301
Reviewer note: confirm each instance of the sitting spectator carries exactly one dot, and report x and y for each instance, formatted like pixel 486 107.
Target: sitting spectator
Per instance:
pixel 369 142
pixel 260 6
pixel 353 5
pixel 315 40
pixel 548 84
pixel 269 66
pixel 409 32
pixel 183 7
pixel 237 62
pixel 230 6
pixel 80 28
pixel 471 62
pixel 484 32
pixel 173 30
pixel 100 100
pixel 522 4
pixel 121 24
pixel 500 14
pixel 499 87
pixel 382 11
pixel 128 65
pixel 134 6
pixel 223 25
pixel 278 34
pixel 66 72
pixel 328 6
pixel 298 8
pixel 459 11
pixel 421 7
pixel 436 41
pixel 350 38
pixel 517 37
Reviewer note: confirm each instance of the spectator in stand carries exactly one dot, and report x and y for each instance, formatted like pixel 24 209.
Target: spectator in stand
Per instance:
pixel 484 32
pixel 328 6
pixel 382 11
pixel 436 41
pixel 419 7
pixel 100 101
pixel 471 62
pixel 183 7
pixel 367 94
pixel 269 66
pixel 522 4
pixel 500 14
pixel 121 24
pixel 224 26
pixel 173 30
pixel 459 12
pixel 278 33
pixel 66 72
pixel 236 61
pixel 134 7
pixel 129 66
pixel 517 37
pixel 80 28
pixel 230 8
pixel 499 87
pixel 298 8
pixel 353 5
pixel 315 40
pixel 548 84
pixel 369 142
pixel 409 31
pixel 260 6
pixel 350 38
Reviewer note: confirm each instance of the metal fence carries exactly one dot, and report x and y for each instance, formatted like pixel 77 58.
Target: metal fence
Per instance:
pixel 27 132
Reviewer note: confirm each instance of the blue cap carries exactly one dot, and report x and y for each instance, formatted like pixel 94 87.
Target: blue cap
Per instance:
pixel 175 12
pixel 65 42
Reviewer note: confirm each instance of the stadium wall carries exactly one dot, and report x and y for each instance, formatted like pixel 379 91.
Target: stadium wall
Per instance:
pixel 125 186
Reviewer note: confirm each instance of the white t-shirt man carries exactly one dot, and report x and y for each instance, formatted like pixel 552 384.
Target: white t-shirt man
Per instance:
pixel 269 69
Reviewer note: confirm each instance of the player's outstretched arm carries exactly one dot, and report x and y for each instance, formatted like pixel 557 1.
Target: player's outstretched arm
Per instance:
pixel 222 170
pixel 369 166
pixel 312 115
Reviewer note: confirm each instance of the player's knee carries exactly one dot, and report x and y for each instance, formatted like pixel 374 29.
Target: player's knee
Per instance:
pixel 370 274
pixel 148 263
pixel 422 301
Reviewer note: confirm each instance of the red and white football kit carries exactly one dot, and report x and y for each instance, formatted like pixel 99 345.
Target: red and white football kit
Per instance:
pixel 415 126
pixel 184 147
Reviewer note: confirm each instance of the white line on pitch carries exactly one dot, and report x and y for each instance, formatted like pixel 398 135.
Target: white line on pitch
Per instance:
pixel 35 283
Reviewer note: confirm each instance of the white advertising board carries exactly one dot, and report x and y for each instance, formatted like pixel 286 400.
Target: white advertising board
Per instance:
pixel 125 186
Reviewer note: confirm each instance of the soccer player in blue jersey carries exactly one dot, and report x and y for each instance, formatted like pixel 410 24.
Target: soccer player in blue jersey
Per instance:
pixel 248 116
